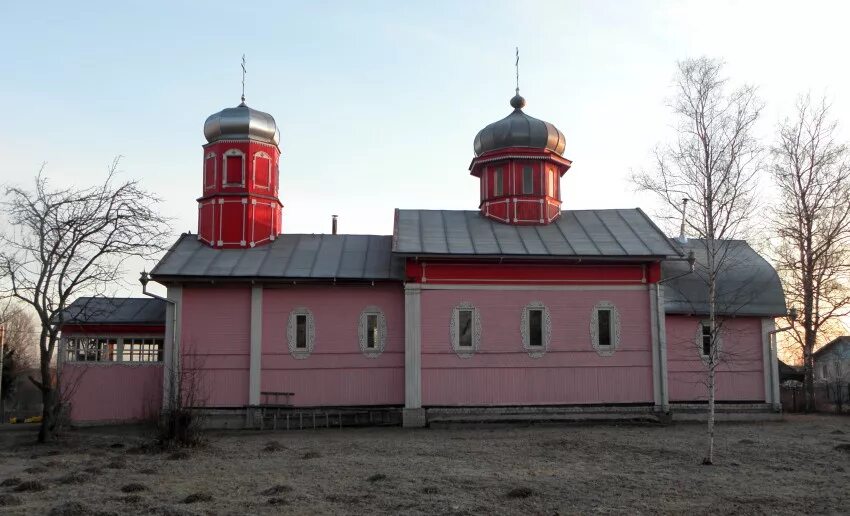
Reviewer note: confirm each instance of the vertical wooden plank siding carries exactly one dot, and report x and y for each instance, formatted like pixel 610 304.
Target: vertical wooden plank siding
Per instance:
pixel 501 372
pixel 739 378
pixel 111 392
pixel 215 341
pixel 336 372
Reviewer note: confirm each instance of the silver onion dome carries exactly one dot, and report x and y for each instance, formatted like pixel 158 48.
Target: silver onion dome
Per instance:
pixel 519 130
pixel 241 123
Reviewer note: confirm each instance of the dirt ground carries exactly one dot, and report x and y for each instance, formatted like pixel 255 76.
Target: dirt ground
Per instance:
pixel 801 465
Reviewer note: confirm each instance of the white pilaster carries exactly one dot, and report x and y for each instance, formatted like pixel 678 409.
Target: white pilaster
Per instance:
pixel 256 345
pixel 656 346
pixel 770 363
pixel 413 413
pixel 171 351
pixel 661 318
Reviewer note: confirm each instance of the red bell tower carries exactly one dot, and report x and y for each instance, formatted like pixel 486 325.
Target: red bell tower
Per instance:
pixel 519 161
pixel 239 206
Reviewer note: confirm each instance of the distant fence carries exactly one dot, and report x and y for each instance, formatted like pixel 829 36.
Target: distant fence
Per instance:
pixel 829 397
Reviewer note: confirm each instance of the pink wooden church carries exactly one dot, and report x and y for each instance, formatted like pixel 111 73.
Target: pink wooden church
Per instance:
pixel 518 309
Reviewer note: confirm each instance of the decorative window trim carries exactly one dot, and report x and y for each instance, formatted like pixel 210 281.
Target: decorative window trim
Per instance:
pixel 498 182
pixel 230 153
pixel 535 351
pixel 362 331
pixel 291 328
pixel 530 170
pixel 454 330
pixel 605 351
pixel 262 155
pixel 718 344
pixel 211 156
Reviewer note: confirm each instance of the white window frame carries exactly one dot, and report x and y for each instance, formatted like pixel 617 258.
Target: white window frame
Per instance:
pixel 605 351
pixel 535 351
pixel 262 155
pixel 363 331
pixel 454 330
pixel 292 329
pixel 718 341
pixel 231 153
pixel 69 343
pixel 211 156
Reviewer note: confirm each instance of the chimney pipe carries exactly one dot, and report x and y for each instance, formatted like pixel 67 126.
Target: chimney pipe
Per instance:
pixel 682 237
pixel 333 224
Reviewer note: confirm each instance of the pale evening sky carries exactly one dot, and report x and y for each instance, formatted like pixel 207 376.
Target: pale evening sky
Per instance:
pixel 378 102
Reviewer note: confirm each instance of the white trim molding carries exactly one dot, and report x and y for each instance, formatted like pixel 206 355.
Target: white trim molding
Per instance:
pixel 227 154
pixel 718 340
pixel 535 351
pixel 363 331
pixel 605 351
pixel 262 155
pixel 454 330
pixel 412 346
pixel 291 329
pixel 255 371
pixel 171 346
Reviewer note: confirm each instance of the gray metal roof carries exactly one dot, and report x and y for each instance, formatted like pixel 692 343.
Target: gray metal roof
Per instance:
pixel 241 123
pixel 576 233
pixel 288 257
pixel 116 310
pixel 519 130
pixel 747 284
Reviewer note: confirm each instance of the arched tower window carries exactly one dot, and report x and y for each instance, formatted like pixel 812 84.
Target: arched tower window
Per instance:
pixel 262 167
pixel 210 170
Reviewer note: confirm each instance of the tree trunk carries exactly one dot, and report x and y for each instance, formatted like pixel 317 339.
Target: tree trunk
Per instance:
pixel 48 397
pixel 709 459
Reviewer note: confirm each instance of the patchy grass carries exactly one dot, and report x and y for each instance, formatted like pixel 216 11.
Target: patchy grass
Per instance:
pixel 8 500
pixel 497 469
pixel 519 492
pixel 72 508
pixel 273 446
pixel 198 497
pixel 276 490
pixel 179 455
pixel 133 488
pixel 30 486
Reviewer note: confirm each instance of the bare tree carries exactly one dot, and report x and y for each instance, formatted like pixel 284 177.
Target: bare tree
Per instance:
pixel 812 221
pixel 713 162
pixel 18 353
pixel 63 242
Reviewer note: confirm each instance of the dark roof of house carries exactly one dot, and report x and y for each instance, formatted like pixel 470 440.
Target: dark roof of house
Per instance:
pixel 576 233
pixel 831 344
pixel 288 257
pixel 116 310
pixel 789 372
pixel 747 285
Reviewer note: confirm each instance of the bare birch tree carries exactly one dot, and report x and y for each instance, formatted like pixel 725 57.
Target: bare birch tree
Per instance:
pixel 64 242
pixel 812 221
pixel 713 162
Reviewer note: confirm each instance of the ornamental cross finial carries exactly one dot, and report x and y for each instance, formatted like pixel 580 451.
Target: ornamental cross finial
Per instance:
pixel 244 71
pixel 517 70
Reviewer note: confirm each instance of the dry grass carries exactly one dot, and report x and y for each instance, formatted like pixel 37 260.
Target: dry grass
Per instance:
pixel 484 470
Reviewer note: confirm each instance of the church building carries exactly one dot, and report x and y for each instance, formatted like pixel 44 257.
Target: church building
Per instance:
pixel 518 308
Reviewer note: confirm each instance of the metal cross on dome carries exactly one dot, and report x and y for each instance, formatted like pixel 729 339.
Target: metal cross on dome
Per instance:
pixel 244 71
pixel 517 70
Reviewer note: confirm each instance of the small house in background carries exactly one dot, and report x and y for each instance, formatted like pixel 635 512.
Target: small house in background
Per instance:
pixel 110 358
pixel 832 360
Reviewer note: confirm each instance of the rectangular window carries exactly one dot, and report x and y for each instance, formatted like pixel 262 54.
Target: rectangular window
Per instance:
pixel 550 174
pixel 210 171
pixel 706 339
pixel 464 324
pixel 498 179
pixel 604 322
pixel 301 331
pixel 371 331
pixel 91 349
pixel 234 168
pixel 527 180
pixel 535 328
pixel 823 372
pixel 142 350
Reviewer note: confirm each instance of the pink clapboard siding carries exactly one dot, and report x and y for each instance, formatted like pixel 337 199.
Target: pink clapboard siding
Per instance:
pixel 336 372
pixel 111 392
pixel 502 373
pixel 216 343
pixel 739 378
